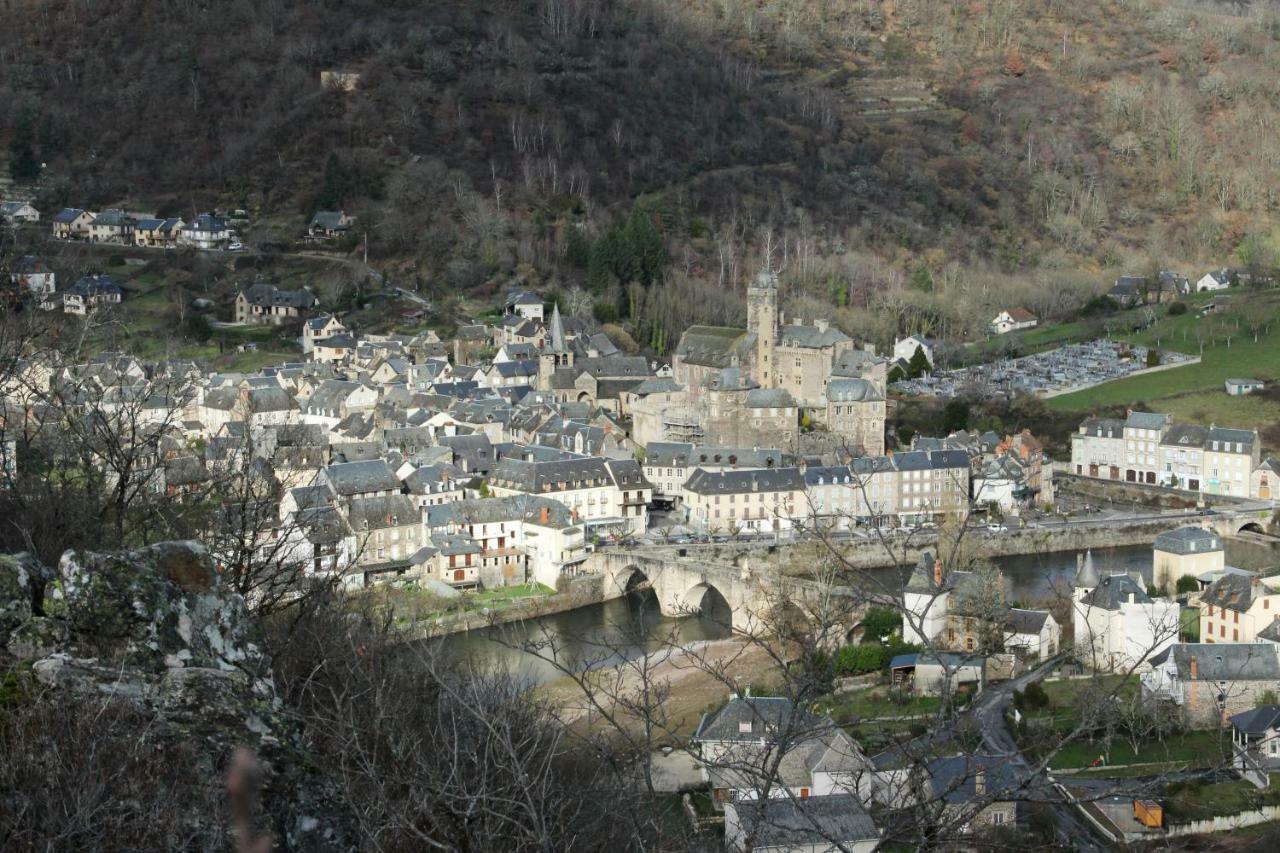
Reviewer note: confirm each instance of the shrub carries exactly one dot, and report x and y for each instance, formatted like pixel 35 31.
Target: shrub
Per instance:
pixel 859 659
pixel 1153 357
pixel 1035 697
pixel 605 311
pixel 1177 309
pixel 1187 583
pixel 881 622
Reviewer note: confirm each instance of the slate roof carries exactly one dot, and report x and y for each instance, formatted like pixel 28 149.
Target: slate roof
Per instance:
pixel 769 398
pixel 1146 420
pixel 657 385
pixel 1188 540
pixel 714 346
pixel 268 295
pixel 744 482
pixel 330 220
pixel 811 337
pixel 1026 621
pixel 322 525
pixel 1271 633
pixel 113 218
pixel 784 824
pixel 1104 427
pixel 1244 437
pixel 1259 721
pixel 765 714
pixel 614 366
pixel 568 474
pixel 96 285
pixel 853 363
pixel 523 297
pixel 490 510
pixel 206 222
pixel 381 512
pixel 953 779
pixel 351 478
pixel 450 544
pixel 1234 592
pixel 1114 590
pixel 852 391
pixel 68 215
pixel 29 265
pixel 1224 661
pixel 1185 435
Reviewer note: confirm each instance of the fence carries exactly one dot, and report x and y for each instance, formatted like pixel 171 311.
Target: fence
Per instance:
pixel 1225 823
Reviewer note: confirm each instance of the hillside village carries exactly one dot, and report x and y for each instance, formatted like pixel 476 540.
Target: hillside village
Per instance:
pixel 504 456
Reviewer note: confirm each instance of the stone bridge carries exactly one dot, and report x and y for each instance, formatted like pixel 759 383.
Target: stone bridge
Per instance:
pixel 1250 518
pixel 757 594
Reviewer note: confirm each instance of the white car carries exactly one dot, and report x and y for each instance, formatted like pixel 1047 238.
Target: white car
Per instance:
pixel 997 528
pixel 235 246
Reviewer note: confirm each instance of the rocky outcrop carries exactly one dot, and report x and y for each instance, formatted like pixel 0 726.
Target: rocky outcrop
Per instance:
pixel 157 629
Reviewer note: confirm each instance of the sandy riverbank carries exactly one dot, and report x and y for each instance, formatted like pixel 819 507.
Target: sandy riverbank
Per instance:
pixel 695 678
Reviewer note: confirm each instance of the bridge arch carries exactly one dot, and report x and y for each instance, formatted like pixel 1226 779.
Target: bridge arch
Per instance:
pixel 706 599
pixel 629 579
pixel 1252 527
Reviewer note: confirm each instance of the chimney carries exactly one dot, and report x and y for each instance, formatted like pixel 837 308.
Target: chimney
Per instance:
pixel 821 324
pixel 980 781
pixel 1194 668
pixel 937 573
pixel 544 515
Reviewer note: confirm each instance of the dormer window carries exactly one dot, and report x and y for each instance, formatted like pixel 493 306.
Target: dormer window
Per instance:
pixel 744 727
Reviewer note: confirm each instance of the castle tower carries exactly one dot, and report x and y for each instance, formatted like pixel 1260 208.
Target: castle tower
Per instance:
pixel 762 319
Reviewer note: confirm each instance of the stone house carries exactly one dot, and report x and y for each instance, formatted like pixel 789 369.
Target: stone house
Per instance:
pixel 328 224
pixel 1207 683
pixel 1012 320
pixel 206 231
pixel 266 304
pixel 855 411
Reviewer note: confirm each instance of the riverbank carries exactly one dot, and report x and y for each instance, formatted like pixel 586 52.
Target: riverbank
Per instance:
pixel 573 594
pixel 693 676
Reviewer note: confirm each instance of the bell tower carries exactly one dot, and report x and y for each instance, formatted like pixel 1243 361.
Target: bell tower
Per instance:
pixel 762 320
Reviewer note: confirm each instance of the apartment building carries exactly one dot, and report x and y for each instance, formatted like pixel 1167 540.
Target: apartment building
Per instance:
pixel 610 494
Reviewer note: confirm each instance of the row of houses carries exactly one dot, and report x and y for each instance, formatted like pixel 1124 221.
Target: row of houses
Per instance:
pixel 117 226
pixel 1150 448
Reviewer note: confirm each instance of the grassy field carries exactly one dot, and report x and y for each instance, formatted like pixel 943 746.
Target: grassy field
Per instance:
pixel 875 702
pixel 1189 749
pixel 1227 347
pixel 1189 802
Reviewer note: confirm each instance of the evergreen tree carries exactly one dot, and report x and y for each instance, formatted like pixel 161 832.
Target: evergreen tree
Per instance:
pixel 646 254
pixel 599 264
pixel 919 364
pixel 336 183
pixel 577 249
pixel 24 166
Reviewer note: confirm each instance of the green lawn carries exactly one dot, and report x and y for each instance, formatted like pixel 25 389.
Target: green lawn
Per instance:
pixel 1190 801
pixel 1195 392
pixel 875 702
pixel 1189 749
pixel 503 593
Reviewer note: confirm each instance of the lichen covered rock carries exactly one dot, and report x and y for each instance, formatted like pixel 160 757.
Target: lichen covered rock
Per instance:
pixel 157 630
pixel 15 594
pixel 161 606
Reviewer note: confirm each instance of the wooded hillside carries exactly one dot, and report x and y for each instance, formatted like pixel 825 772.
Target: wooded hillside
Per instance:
pixel 908 164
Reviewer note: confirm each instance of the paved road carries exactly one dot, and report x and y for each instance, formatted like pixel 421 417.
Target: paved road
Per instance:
pixel 989 709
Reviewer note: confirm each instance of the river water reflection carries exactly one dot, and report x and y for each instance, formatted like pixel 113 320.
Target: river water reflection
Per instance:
pixel 635 625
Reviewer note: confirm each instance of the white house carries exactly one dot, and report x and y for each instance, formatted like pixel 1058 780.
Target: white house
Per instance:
pixel 33 276
pixel 1118 626
pixel 1013 319
pixel 1215 280
pixel 1240 387
pixel 206 231
pixel 905 348
pixel 18 211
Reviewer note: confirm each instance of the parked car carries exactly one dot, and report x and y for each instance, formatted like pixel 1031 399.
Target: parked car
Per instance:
pixel 997 528
pixel 235 246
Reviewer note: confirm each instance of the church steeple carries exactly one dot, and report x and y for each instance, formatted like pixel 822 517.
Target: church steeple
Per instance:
pixel 556 332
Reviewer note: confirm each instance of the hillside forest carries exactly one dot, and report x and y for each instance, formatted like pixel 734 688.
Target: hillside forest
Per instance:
pixel 908 166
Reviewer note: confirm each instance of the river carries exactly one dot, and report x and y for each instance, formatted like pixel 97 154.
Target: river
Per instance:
pixel 590 635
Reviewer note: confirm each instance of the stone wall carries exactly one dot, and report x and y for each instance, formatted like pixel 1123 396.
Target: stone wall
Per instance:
pixel 574 593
